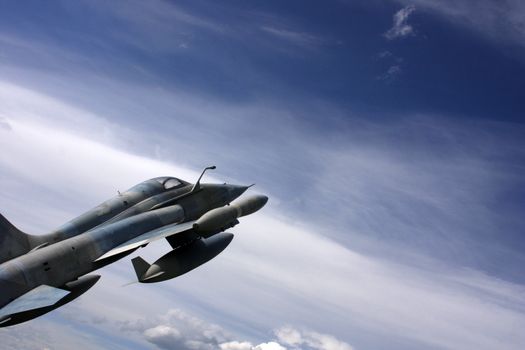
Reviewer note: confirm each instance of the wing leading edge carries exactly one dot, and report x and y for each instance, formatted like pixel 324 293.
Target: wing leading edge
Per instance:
pixel 145 238
pixel 36 298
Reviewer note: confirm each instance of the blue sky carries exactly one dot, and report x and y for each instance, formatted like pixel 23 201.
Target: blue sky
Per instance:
pixel 388 135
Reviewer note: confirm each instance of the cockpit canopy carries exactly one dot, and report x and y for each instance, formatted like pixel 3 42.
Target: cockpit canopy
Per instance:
pixel 171 182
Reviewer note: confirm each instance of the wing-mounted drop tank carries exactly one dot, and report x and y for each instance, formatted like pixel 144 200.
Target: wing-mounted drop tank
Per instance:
pixel 210 243
pixel 181 260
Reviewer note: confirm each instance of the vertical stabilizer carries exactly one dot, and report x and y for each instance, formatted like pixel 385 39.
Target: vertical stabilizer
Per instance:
pixel 13 242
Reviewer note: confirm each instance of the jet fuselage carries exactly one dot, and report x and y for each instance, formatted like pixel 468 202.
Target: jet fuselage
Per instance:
pixel 60 258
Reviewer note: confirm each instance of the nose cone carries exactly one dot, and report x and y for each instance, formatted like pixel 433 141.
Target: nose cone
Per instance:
pixel 234 191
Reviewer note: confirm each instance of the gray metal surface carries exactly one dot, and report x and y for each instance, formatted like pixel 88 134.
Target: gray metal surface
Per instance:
pixel 41 273
pixel 36 298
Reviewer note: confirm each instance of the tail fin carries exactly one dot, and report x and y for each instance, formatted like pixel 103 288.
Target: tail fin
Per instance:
pixel 13 242
pixel 141 266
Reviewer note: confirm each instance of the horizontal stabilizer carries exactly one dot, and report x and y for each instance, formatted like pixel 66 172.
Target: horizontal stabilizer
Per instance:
pixel 36 298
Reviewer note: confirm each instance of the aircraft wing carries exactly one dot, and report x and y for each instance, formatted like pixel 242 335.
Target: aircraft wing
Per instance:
pixel 36 298
pixel 145 238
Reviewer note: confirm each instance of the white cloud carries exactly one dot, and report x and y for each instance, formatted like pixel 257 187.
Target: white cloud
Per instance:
pixel 295 275
pixel 309 340
pixel 500 21
pixel 384 54
pixel 154 26
pixel 401 28
pixel 289 335
pixel 163 336
pixel 179 330
pixel 236 345
pixel 294 37
pixel 393 63
pixel 391 74
pixel 269 346
pixel 325 342
pixel 394 70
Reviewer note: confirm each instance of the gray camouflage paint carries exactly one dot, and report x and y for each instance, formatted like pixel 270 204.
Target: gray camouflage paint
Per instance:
pixel 60 258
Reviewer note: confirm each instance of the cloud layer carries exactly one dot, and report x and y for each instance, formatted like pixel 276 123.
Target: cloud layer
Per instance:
pixel 383 230
pixel 500 21
pixel 279 270
pixel 177 330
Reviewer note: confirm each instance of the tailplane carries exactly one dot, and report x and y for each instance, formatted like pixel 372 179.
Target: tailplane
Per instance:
pixel 13 242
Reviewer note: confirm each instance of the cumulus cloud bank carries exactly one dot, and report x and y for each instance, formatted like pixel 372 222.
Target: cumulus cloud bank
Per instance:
pixel 303 339
pixel 235 345
pixel 177 330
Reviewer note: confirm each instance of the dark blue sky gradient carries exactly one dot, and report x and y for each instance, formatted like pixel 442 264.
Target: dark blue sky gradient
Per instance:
pixel 443 70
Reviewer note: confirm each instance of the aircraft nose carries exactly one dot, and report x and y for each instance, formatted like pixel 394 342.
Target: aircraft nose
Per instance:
pixel 235 191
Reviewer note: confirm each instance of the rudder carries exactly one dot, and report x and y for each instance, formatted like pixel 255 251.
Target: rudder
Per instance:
pixel 13 242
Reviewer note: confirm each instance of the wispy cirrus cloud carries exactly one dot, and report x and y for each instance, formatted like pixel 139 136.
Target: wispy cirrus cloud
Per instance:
pixel 394 66
pixel 499 21
pixel 391 73
pixel 155 26
pixel 401 28
pixel 285 262
pixel 369 226
pixel 296 38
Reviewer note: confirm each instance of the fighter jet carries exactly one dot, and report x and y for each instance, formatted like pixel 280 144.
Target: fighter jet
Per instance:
pixel 39 273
